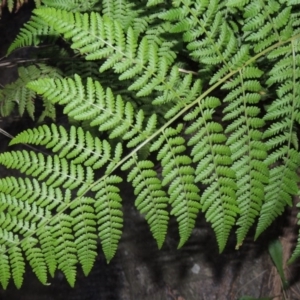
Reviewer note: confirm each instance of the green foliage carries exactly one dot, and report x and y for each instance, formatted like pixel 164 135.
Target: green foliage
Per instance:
pixel 196 102
pixel 17 93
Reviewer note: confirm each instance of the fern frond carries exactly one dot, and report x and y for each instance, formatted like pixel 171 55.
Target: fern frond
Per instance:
pixel 34 32
pixel 210 39
pixel 109 214
pixel 284 113
pixel 151 198
pixel 18 94
pixel 55 171
pixel 179 175
pixel 266 23
pixel 5 267
pixel 84 228
pixel 248 150
pixel 47 243
pixel 65 246
pixel 71 5
pixel 125 12
pixel 74 144
pixel 16 260
pixel 102 38
pixel 99 107
pixel 213 168
pixel 36 258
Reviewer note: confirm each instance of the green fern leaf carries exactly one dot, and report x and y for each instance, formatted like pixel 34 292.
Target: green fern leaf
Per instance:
pixel 103 38
pixel 34 32
pixel 213 168
pixel 102 109
pixel 178 174
pixel 109 214
pixel 248 152
pixel 284 178
pixel 151 199
pixel 71 5
pixel 84 221
pixel 5 267
pixel 36 258
pixel 47 243
pixel 266 23
pixel 18 93
pixel 76 144
pixel 65 247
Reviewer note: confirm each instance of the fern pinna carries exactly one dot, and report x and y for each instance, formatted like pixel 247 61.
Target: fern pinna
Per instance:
pixel 205 91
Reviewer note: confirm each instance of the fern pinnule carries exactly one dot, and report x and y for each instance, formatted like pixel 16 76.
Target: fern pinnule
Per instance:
pixel 151 199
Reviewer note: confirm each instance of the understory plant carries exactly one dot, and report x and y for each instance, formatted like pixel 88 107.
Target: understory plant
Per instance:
pixel 193 103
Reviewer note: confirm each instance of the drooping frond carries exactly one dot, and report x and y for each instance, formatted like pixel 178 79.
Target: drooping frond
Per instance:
pixel 179 176
pixel 245 142
pixel 151 198
pixel 182 95
pixel 58 231
pixel 213 168
pixel 282 139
